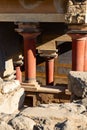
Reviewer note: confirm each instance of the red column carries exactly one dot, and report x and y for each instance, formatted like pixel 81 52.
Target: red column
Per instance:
pixel 49 71
pixel 85 56
pixel 30 56
pixel 78 51
pixel 18 73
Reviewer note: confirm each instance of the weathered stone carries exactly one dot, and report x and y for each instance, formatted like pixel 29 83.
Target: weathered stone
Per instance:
pixel 10 86
pixel 69 107
pixel 54 111
pixel 76 12
pixel 71 125
pixel 82 101
pixel 11 102
pixel 57 116
pixel 5 126
pixel 7 117
pixel 43 124
pixel 22 123
pixel 1 82
pixel 66 125
pixel 78 83
pixel 68 116
pixel 9 68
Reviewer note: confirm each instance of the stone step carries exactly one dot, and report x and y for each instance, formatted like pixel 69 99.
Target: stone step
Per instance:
pixel 45 89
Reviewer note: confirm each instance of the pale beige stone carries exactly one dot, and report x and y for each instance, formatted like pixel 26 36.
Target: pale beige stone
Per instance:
pixel 11 102
pixel 23 123
pixel 58 116
pixel 5 126
pixel 10 86
pixel 9 69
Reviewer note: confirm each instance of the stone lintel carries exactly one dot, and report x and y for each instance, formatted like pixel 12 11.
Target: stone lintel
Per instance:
pixel 32 17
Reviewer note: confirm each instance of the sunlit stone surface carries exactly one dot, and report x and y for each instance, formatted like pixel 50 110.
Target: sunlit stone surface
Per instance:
pixel 11 96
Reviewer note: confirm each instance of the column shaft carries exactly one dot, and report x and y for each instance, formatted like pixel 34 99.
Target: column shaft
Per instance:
pixel 50 71
pixel 18 73
pixel 85 56
pixel 78 51
pixel 30 59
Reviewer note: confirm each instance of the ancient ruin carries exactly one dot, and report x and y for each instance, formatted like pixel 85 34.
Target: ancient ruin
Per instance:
pixel 43 64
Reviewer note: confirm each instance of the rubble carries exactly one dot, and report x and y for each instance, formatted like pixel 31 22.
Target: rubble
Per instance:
pixel 47 117
pixel 53 116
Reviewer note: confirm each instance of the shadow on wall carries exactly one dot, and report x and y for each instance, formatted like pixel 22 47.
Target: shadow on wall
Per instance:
pixel 10 44
pixel 64 47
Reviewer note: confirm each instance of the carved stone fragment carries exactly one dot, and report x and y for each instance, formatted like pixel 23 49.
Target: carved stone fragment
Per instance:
pixel 76 12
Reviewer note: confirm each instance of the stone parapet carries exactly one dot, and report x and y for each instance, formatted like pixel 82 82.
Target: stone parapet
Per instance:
pixel 76 12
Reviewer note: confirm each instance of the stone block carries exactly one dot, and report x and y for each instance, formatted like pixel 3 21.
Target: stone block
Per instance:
pixel 9 103
pixel 5 126
pixel 9 86
pixel 78 83
pixel 54 117
pixel 22 123
pixel 9 69
pixel 47 117
pixel 76 12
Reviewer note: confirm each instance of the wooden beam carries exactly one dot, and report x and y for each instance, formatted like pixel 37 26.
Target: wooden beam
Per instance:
pixel 31 17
